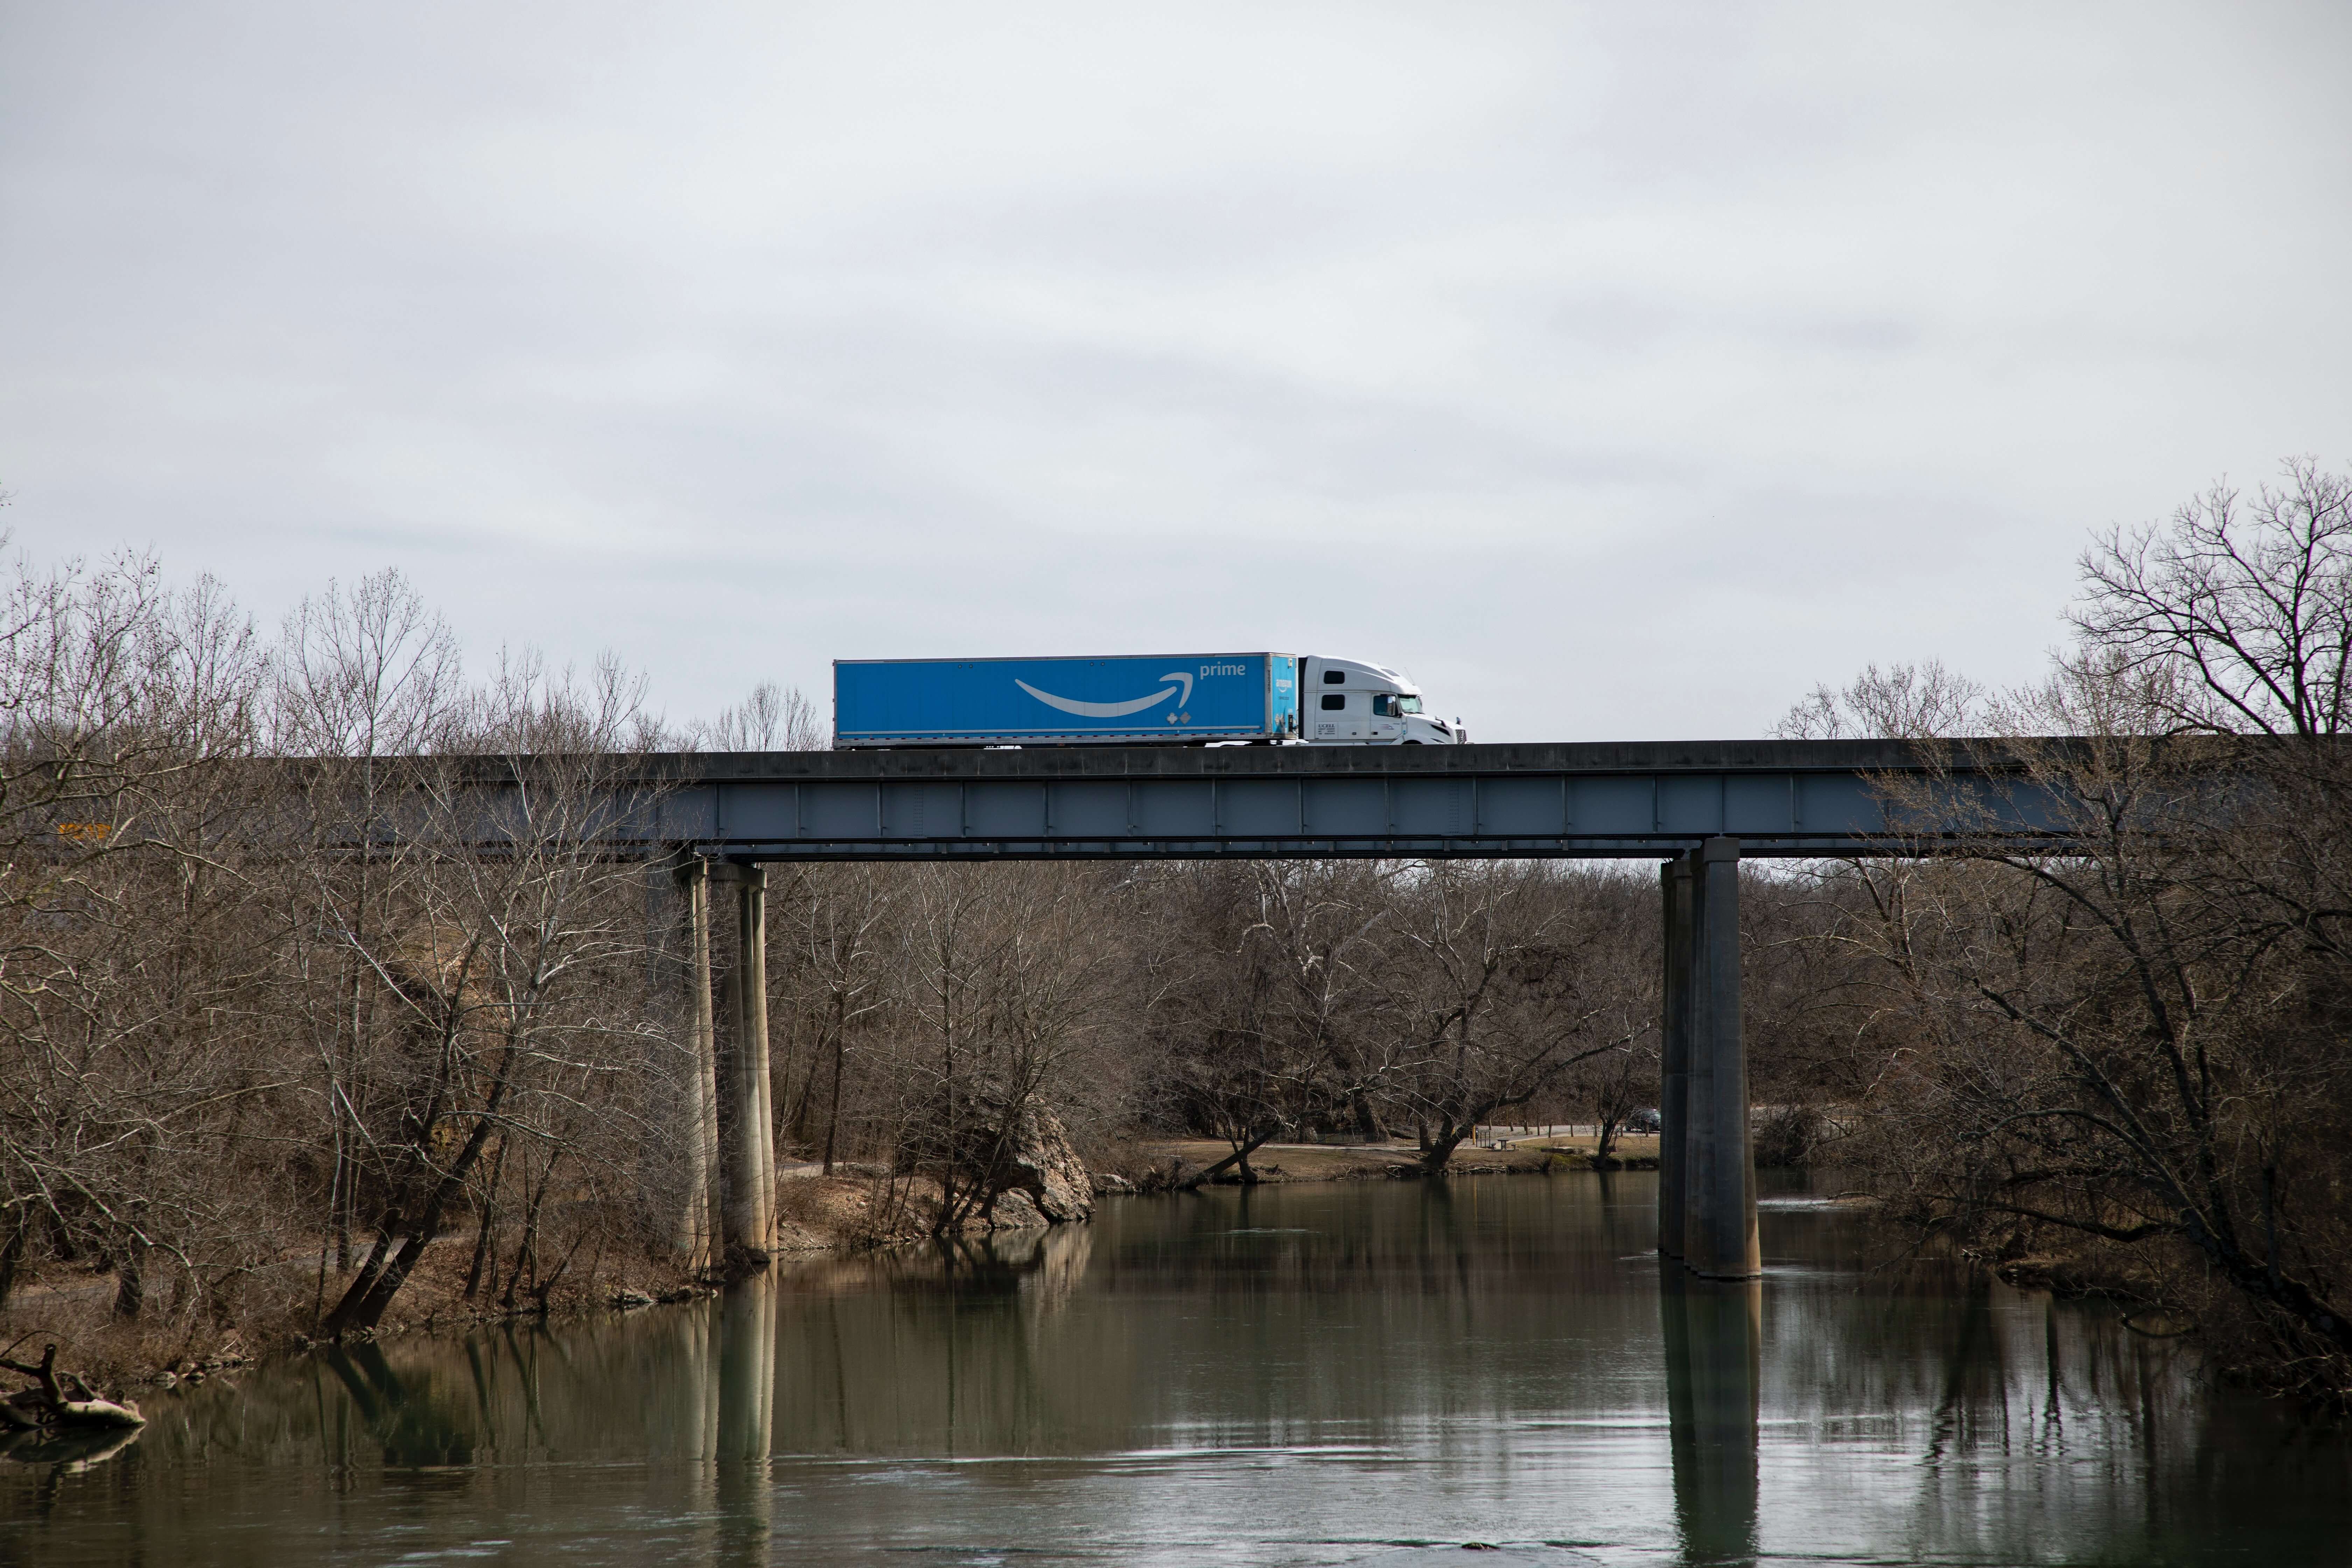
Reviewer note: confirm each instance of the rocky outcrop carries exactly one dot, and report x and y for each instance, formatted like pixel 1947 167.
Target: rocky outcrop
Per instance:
pixel 1045 1167
pixel 1015 1210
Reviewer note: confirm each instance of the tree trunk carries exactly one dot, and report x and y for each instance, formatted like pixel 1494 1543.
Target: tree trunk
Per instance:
pixel 61 1240
pixel 11 1251
pixel 338 1207
pixel 364 1304
pixel 1447 1139
pixel 1240 1156
pixel 488 1217
pixel 526 1258
pixel 80 1406
pixel 832 1116
pixel 130 1284
pixel 387 1236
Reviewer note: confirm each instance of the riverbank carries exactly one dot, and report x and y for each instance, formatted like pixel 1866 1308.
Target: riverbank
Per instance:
pixel 858 1209
pixel 1160 1163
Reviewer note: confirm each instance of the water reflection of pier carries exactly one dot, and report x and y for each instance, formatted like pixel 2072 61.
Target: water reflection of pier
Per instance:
pixel 731 1424
pixel 713 1433
pixel 746 1425
pixel 1713 1336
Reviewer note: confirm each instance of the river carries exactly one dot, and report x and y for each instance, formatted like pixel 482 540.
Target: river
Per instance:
pixel 1375 1372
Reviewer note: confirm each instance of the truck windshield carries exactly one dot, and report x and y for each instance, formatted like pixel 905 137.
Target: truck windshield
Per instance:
pixel 1408 704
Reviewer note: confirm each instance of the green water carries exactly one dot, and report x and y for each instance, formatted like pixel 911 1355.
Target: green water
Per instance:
pixel 1374 1372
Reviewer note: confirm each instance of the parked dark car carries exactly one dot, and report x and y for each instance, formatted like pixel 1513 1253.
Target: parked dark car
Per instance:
pixel 1646 1120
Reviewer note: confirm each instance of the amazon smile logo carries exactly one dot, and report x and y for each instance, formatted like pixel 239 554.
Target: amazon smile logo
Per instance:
pixel 1116 710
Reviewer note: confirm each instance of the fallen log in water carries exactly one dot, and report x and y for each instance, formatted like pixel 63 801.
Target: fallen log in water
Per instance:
pixel 64 1399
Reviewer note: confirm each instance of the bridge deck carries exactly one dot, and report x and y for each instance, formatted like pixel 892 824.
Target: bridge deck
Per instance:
pixel 1570 800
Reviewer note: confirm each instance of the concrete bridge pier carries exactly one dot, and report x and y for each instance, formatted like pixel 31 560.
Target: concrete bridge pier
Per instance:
pixel 747 1154
pixel 685 1165
pixel 1674 1063
pixel 1713 1225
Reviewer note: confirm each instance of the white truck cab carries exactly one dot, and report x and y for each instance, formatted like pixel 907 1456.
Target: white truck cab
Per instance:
pixel 1343 702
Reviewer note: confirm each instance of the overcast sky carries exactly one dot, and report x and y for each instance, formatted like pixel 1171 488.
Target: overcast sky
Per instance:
pixel 1620 370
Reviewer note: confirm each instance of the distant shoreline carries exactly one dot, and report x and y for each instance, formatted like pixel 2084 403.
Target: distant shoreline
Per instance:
pixel 1146 1162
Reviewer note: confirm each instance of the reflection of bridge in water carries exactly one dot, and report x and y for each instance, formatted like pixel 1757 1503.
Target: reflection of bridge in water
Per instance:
pixel 1711 1331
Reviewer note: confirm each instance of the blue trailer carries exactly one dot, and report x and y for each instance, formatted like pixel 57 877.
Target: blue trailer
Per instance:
pixel 1186 698
pixel 1123 701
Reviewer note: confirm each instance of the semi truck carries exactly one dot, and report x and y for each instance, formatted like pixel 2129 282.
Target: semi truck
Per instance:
pixel 1131 699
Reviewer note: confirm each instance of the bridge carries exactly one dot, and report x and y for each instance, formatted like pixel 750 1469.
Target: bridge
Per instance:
pixel 1698 807
pixel 1618 800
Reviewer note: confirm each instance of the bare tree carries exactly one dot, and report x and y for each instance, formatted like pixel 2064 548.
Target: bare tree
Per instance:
pixel 128 897
pixel 1613 1087
pixel 2131 1048
pixel 1320 931
pixel 1904 701
pixel 2241 611
pixel 1220 1006
pixel 835 939
pixel 1010 971
pixel 1500 981
pixel 771 718
pixel 367 688
pixel 492 969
